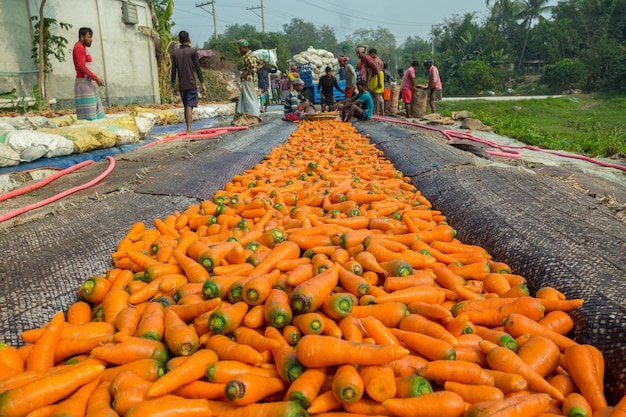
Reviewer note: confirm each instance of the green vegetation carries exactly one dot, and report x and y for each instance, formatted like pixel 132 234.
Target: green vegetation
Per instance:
pixel 584 124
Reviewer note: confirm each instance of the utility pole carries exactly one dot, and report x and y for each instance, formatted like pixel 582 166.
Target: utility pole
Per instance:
pixel 212 3
pixel 262 16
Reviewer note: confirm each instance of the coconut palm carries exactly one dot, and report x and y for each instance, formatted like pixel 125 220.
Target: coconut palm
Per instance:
pixel 531 10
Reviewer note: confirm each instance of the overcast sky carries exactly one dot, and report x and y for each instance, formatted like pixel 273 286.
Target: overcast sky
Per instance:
pixel 403 18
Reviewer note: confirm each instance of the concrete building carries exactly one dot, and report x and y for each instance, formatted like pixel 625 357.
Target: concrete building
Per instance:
pixel 122 54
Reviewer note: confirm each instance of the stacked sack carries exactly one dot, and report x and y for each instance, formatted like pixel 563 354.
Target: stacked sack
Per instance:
pixel 27 138
pixel 319 60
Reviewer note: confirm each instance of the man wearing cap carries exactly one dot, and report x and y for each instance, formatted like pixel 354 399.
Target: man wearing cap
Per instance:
pixel 296 104
pixel 248 102
pixel 434 84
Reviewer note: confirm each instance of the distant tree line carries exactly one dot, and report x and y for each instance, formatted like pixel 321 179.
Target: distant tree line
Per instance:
pixel 577 44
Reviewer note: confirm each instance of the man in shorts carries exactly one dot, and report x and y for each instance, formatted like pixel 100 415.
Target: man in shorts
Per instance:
pixel 185 62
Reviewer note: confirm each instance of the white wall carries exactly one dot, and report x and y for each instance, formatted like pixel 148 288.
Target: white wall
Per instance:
pixel 122 56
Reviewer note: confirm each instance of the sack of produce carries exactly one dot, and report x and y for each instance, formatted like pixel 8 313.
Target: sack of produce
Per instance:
pixel 81 140
pixel 8 157
pixel 33 144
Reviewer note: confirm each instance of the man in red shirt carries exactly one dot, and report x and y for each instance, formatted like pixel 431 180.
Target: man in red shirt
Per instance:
pixel 86 97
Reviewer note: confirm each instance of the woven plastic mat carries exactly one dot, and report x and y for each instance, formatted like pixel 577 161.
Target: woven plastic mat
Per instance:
pixel 546 230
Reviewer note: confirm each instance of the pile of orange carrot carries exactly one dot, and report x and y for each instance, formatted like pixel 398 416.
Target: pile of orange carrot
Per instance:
pixel 319 282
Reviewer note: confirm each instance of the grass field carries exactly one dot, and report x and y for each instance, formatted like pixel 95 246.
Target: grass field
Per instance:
pixel 589 125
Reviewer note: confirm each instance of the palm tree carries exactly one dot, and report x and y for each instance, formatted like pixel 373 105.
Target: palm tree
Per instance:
pixel 501 13
pixel 531 10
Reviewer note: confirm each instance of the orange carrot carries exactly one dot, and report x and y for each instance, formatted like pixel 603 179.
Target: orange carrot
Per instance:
pixel 350 327
pixel 189 311
pixel 375 329
pixel 254 339
pixel 582 364
pixel 323 403
pixel 347 385
pixel 257 289
pixel 503 359
pixel 440 403
pixel 541 354
pixel 42 354
pixel 459 371
pixel 426 346
pixel 318 351
pixel 389 313
pixel 309 295
pixel 222 371
pixel 558 321
pixel 306 387
pixel 194 271
pixel 76 403
pixel 192 369
pixel 287 362
pixel 249 388
pixel 526 405
pixel 278 312
pixel 517 325
pixel 474 393
pixel 49 389
pixel 180 338
pixel 227 349
pixel 79 313
pixel 576 405
pixel 10 357
pixel 227 317
pixel 379 381
pixel 151 325
pixel 507 382
pixel 130 349
pixel 170 405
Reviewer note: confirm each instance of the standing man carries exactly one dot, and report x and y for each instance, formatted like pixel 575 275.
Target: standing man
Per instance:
pixel 407 87
pixel 248 101
pixel 86 97
pixel 373 74
pixel 349 74
pixel 434 84
pixel 184 62
pixel 325 87
pixel 285 86
pixel 377 91
pixel 263 74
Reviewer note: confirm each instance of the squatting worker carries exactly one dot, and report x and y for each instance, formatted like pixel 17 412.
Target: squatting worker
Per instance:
pixel 434 84
pixel 248 101
pixel 296 104
pixel 185 62
pixel 86 96
pixel 360 105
